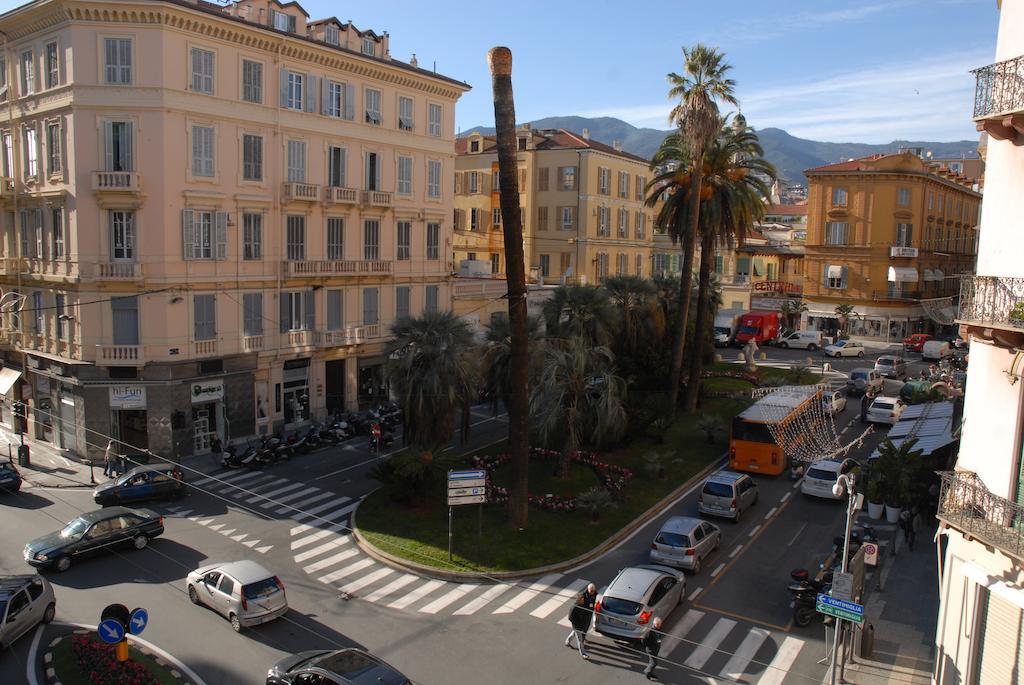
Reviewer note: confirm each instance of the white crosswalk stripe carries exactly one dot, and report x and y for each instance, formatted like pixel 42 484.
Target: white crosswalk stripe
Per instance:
pixel 337 513
pixel 356 585
pixel 320 549
pixel 483 600
pixel 560 598
pixel 264 479
pixel 744 653
pixel 310 513
pixel 416 595
pixel 319 535
pixel 289 497
pixel 393 586
pixel 528 594
pixel 453 595
pixel 347 571
pixel 263 496
pixel 305 505
pixel 784 658
pixel 327 562
pixel 690 619
pixel 707 647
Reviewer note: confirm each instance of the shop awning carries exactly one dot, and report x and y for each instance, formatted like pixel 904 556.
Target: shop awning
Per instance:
pixel 902 274
pixel 7 379
pixel 928 275
pixel 835 271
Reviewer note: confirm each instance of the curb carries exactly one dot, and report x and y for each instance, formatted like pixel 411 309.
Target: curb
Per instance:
pixel 51 675
pixel 464 576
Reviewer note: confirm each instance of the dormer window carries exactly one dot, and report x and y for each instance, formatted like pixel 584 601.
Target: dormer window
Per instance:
pixel 282 21
pixel 369 47
pixel 522 144
pixel 332 35
pixel 474 146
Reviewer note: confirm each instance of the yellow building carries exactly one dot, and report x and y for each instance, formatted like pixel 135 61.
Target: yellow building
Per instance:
pixel 583 207
pixel 883 233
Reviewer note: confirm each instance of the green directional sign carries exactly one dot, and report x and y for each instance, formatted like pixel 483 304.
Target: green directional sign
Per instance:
pixel 831 606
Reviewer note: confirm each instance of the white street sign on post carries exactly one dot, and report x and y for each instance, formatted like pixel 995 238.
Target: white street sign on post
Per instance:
pixel 470 499
pixel 462 492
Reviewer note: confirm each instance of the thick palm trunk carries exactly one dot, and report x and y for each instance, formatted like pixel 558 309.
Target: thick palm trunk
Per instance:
pixel 686 283
pixel 500 62
pixel 707 245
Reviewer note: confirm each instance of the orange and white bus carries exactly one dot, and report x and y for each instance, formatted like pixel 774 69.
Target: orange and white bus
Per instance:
pixel 752 445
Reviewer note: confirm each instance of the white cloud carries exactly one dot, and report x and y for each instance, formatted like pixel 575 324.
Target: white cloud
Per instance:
pixel 784 24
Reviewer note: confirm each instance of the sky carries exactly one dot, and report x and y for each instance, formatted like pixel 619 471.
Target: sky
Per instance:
pixel 832 70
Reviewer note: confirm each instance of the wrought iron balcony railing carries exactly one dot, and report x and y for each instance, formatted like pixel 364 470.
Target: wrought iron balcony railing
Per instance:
pixel 967 505
pixel 999 88
pixel 895 295
pixel 992 301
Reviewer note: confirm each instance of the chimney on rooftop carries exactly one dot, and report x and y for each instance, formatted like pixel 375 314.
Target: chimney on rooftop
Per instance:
pixel 413 62
pixel 586 134
pixel 617 144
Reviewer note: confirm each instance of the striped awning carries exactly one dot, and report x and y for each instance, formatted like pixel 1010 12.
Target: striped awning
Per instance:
pixel 902 274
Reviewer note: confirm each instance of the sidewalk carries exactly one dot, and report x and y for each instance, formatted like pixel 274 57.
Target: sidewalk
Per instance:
pixel 903 613
pixel 47 468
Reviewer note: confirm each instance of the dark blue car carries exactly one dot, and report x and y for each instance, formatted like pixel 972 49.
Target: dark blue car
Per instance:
pixel 10 479
pixel 141 484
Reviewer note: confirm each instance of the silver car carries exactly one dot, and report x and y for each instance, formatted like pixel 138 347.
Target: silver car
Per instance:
pixel 25 601
pixel 888 366
pixel 728 494
pixel 243 591
pixel 637 595
pixel 684 542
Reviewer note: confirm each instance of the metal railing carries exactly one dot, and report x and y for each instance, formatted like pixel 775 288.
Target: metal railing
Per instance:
pixel 992 300
pixel 967 505
pixel 895 296
pixel 999 88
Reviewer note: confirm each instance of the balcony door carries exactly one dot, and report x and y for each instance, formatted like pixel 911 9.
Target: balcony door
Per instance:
pixel 117 142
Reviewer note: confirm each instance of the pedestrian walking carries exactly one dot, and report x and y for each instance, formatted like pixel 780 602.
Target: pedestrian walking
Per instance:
pixel 580 616
pixel 865 402
pixel 916 522
pixel 908 519
pixel 108 460
pixel 652 645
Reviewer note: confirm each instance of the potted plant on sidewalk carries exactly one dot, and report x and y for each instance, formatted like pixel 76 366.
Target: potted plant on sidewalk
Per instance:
pixel 876 502
pixel 896 466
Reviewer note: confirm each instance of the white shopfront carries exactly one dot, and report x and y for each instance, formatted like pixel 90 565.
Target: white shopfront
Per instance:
pixel 207 412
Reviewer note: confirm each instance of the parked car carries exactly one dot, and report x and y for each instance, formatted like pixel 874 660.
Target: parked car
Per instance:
pixel 845 348
pixel 25 602
pixel 822 475
pixel 10 479
pixel 153 481
pixel 833 402
pixel 343 667
pixel 92 533
pixel 728 494
pixel 914 342
pixel 242 591
pixel 684 542
pixel 936 350
pixel 808 340
pixel 863 380
pixel 888 366
pixel 913 386
pixel 638 594
pixel 885 409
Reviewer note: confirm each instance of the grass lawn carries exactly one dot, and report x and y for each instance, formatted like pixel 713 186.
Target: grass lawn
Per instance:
pixel 725 384
pixel 421 534
pixel 65 665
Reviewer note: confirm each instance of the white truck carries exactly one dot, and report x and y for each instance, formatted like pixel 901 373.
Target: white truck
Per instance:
pixel 726 323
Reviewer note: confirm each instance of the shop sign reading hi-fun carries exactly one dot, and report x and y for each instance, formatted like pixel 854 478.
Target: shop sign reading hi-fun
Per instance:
pixel 128 397
pixel 207 391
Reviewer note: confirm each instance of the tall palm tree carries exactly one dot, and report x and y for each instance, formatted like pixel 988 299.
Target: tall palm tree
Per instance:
pixel 431 368
pixel 699 89
pixel 791 311
pixel 579 310
pixel 578 399
pixel 738 180
pixel 497 356
pixel 633 299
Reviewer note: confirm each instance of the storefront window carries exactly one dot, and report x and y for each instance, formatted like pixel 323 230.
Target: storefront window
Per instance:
pixel 296 390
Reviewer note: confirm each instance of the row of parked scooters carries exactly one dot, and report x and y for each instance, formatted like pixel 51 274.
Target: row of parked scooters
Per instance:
pixel 345 426
pixel 805 588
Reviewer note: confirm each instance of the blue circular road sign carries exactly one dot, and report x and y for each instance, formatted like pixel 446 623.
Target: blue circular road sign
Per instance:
pixel 110 630
pixel 138 621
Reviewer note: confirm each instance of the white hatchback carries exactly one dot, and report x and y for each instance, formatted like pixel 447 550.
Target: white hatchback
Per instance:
pixel 242 591
pixel 845 348
pixel 885 409
pixel 822 475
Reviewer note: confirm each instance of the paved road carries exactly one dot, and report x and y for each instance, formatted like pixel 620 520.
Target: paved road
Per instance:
pixel 293 519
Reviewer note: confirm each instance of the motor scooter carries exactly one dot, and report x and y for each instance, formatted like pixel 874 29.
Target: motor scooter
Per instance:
pixel 805 594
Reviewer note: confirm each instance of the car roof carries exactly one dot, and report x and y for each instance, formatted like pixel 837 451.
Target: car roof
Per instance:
pixel 727 477
pixel 889 357
pixel 827 465
pixel 632 583
pixel 11 584
pixel 244 571
pixel 151 467
pixel 886 398
pixel 861 369
pixel 681 524
pixel 358 667
pixel 109 513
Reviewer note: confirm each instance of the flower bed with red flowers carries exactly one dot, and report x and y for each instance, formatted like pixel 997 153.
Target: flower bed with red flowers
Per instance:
pixel 612 477
pixel 741 375
pixel 83 658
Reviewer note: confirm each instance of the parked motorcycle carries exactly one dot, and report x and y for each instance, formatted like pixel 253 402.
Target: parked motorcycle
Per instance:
pixel 386 440
pixel 805 594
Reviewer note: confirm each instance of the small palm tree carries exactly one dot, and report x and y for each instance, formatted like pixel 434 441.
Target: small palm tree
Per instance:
pixel 577 399
pixel 843 314
pixel 633 299
pixel 432 370
pixel 791 311
pixel 579 310
pixel 594 500
pixel 497 356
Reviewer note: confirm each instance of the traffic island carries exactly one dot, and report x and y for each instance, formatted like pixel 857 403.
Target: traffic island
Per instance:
pixel 81 658
pixel 561 533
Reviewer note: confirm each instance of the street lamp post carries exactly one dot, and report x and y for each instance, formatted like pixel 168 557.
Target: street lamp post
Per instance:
pixel 845 482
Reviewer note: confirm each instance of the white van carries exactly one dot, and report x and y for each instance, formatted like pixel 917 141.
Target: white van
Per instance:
pixel 936 349
pixel 808 340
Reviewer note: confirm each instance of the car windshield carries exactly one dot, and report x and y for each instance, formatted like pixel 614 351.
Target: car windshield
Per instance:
pixel 717 490
pixel 859 375
pixel 75 528
pixel 884 406
pixel 721 329
pixel 261 588
pixel 672 539
pixel 821 474
pixel 623 607
pixel 882 361
pixel 840 343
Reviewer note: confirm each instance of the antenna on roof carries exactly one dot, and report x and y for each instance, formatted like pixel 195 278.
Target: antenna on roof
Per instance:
pixel 435 66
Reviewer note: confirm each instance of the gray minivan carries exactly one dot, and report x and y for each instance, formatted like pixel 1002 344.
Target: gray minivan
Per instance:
pixel 684 542
pixel 728 494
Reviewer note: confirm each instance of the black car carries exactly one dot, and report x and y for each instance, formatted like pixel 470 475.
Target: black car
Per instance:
pixel 343 667
pixel 92 533
pixel 153 481
pixel 10 479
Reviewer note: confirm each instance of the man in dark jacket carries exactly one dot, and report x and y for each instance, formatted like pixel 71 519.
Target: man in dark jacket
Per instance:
pixel 865 402
pixel 580 617
pixel 652 645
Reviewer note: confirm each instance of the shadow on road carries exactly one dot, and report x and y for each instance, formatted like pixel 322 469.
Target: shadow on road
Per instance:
pixel 166 562
pixel 26 500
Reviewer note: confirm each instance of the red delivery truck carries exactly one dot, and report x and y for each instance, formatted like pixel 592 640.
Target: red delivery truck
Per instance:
pixel 763 327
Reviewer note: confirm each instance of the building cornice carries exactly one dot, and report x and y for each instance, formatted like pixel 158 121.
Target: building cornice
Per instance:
pixel 890 174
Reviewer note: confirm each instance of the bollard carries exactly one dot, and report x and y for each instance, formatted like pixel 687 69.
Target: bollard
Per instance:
pixel 23 455
pixel 867 641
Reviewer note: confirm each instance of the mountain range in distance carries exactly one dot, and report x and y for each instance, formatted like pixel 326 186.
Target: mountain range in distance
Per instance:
pixel 790 155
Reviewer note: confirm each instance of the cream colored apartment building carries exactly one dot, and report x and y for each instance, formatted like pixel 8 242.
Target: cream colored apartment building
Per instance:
pixel 584 217
pixel 211 216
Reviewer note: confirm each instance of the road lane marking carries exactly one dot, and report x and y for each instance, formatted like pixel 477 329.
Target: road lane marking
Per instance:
pixel 744 653
pixel 796 485
pixel 326 517
pixel 709 646
pixel 416 595
pixel 690 619
pixel 778 669
pixel 264 479
pixel 560 598
pixel 313 537
pixel 529 593
pixel 735 551
pixel 718 570
pixel 754 530
pixel 320 549
pixel 694 594
pixel 366 580
pixel 394 585
pixel 292 496
pixel 330 561
pixel 770 513
pixel 345 572
pixel 801 530
pixel 452 595
pixel 483 600
pixel 268 495
pixel 286 508
pixel 786 496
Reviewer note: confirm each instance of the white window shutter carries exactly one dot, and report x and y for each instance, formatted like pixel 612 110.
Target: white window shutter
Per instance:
pixel 284 87
pixel 349 107
pixel 221 221
pixel 310 93
pixel 188 238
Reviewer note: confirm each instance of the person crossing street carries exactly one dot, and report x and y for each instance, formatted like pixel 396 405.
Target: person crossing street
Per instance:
pixel 652 645
pixel 580 616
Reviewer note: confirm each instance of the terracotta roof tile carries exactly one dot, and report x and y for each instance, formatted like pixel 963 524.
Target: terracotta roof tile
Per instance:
pixel 850 165
pixel 795 210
